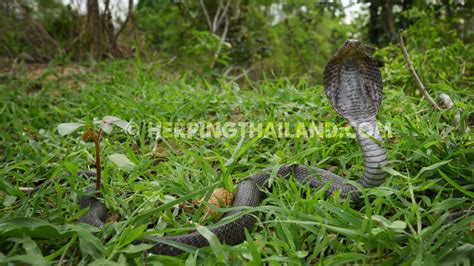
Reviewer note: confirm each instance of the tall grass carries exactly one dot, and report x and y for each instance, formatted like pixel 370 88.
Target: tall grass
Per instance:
pixel 430 173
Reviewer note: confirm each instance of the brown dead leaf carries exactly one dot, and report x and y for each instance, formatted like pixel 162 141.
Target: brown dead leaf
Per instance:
pixel 161 150
pixel 40 71
pixel 220 198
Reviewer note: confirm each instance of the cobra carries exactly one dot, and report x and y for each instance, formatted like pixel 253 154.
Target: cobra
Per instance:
pixel 353 86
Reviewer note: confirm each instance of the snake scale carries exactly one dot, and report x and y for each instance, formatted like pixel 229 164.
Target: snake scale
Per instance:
pixel 353 86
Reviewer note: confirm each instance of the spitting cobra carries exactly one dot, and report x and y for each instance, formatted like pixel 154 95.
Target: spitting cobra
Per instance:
pixel 353 86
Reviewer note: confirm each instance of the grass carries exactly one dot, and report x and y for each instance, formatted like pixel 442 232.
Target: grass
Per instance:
pixel 403 222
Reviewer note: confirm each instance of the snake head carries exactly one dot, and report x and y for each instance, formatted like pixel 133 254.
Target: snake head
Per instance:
pixel 352 82
pixel 351 50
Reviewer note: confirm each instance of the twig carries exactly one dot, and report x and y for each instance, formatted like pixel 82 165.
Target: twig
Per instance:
pixel 208 19
pixel 245 72
pixel 218 18
pixel 97 162
pixel 401 44
pixel 228 70
pixel 221 42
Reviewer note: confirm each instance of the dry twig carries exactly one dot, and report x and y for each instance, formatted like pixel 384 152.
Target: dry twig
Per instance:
pixel 401 44
pixel 208 19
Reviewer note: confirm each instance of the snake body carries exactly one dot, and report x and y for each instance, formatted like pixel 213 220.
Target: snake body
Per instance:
pixel 354 88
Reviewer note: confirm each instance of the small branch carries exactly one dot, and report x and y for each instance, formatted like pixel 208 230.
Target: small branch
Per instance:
pixel 221 42
pixel 245 72
pixel 228 70
pixel 401 45
pixel 216 16
pixel 208 19
pixel 97 162
pixel 223 14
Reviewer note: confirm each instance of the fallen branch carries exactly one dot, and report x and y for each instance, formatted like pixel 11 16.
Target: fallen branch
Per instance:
pixel 401 45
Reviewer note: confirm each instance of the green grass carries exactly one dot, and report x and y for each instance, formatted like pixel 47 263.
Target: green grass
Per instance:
pixel 403 222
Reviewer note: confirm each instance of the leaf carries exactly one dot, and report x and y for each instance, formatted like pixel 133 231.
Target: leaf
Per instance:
pixel 27 259
pixel 216 246
pixel 68 128
pixel 395 225
pixel 457 255
pixel 103 261
pixel 31 248
pixel 130 234
pixel 447 204
pixel 110 119
pixel 31 227
pixel 301 254
pixel 121 161
pixel 345 215
pixel 9 200
pixel 136 248
pixel 235 154
pixel 254 255
pixel 147 214
pixel 88 243
pixel 380 219
pixel 346 259
pixel 297 157
pixel 398 225
pixel 113 120
pixel 124 125
pixel 392 171
pixel 191 260
pixel 33 254
pixel 241 151
pixel 106 127
pixel 456 185
pixel 344 231
pixel 219 196
pixel 431 167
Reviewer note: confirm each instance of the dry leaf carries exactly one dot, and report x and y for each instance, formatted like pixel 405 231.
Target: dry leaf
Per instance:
pixel 220 198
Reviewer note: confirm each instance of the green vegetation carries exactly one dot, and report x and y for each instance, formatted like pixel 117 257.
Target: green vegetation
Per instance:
pixel 405 221
pixel 430 168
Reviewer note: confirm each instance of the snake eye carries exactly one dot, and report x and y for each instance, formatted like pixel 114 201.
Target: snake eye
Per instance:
pixel 352 42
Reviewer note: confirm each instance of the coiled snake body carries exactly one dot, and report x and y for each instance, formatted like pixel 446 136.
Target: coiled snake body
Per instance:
pixel 353 86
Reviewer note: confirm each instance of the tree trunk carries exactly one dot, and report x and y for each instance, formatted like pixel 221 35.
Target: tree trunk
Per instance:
pixel 93 17
pixel 374 33
pixel 390 23
pixel 109 30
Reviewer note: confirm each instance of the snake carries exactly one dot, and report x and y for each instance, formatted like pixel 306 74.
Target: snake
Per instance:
pixel 353 85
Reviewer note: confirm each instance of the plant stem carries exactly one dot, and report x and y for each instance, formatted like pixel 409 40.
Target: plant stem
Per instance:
pixel 97 162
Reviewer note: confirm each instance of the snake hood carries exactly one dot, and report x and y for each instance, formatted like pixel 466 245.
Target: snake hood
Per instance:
pixel 353 83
